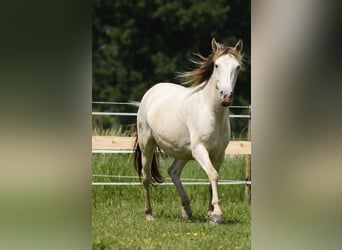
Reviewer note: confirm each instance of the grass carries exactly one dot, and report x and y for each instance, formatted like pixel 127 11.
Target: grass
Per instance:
pixel 118 220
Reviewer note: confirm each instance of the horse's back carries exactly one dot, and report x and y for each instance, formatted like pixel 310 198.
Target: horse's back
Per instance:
pixel 162 91
pixel 162 96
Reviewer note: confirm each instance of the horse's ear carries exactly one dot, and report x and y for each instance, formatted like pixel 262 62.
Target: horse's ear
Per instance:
pixel 214 45
pixel 239 46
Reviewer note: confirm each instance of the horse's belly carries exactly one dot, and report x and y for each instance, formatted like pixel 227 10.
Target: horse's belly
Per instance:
pixel 180 149
pixel 179 153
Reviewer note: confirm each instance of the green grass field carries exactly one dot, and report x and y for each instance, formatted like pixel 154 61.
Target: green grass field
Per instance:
pixel 118 219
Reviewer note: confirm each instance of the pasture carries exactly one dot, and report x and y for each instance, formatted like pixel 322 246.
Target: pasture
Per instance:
pixel 118 219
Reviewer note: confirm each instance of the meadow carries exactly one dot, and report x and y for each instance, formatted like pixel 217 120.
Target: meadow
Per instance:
pixel 118 220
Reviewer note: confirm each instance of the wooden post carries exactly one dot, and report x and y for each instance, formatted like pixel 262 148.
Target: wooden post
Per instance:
pixel 248 163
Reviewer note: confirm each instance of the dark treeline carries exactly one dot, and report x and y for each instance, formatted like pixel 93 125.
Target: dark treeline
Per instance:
pixel 137 44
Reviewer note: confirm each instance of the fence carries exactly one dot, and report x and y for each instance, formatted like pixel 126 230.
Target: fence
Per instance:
pixel 120 144
pixel 123 144
pixel 136 104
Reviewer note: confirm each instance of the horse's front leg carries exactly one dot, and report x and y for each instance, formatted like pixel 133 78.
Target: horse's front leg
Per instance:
pixel 201 155
pixel 217 164
pixel 175 172
pixel 210 207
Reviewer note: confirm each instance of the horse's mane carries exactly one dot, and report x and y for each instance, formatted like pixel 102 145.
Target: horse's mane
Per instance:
pixel 206 65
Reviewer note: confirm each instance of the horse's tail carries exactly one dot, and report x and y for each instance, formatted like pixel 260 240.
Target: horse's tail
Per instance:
pixel 156 175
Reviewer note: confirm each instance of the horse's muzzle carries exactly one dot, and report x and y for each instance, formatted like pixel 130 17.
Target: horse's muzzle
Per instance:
pixel 226 100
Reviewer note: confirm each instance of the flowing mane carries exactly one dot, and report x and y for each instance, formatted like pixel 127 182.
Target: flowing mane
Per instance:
pixel 206 65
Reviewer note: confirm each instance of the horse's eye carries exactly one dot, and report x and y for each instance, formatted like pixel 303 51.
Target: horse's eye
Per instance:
pixel 216 66
pixel 238 67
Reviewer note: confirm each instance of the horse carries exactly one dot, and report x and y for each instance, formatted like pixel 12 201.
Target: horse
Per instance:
pixel 189 123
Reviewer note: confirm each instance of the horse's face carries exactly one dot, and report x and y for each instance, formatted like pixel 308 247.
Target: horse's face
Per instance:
pixel 226 70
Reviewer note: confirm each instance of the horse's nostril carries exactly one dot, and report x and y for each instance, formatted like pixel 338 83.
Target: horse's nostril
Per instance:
pixel 231 95
pixel 221 92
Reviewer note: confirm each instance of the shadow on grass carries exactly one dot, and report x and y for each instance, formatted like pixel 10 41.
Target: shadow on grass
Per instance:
pixel 234 222
pixel 201 219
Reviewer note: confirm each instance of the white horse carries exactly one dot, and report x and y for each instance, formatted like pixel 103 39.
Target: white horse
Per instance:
pixel 189 124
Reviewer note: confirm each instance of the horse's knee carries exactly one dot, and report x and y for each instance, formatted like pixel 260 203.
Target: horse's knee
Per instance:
pixel 213 175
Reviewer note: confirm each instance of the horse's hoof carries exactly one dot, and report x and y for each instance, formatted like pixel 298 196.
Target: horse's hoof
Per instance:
pixel 187 216
pixel 187 219
pixel 149 217
pixel 216 219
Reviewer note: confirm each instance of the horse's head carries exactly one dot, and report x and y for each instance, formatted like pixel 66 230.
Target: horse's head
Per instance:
pixel 226 69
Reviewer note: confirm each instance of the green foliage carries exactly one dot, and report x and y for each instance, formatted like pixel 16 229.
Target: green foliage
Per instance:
pixel 137 44
pixel 118 220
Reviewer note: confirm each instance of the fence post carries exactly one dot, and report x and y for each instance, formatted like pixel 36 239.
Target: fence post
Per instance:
pixel 248 163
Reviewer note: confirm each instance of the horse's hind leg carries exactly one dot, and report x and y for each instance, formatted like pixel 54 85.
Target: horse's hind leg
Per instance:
pixel 146 160
pixel 175 172
pixel 147 146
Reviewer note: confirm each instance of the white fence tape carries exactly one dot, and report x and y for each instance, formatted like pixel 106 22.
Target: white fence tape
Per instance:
pixel 170 183
pixel 185 181
pixel 138 103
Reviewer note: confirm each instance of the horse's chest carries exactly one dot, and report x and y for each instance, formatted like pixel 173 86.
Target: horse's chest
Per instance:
pixel 215 139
